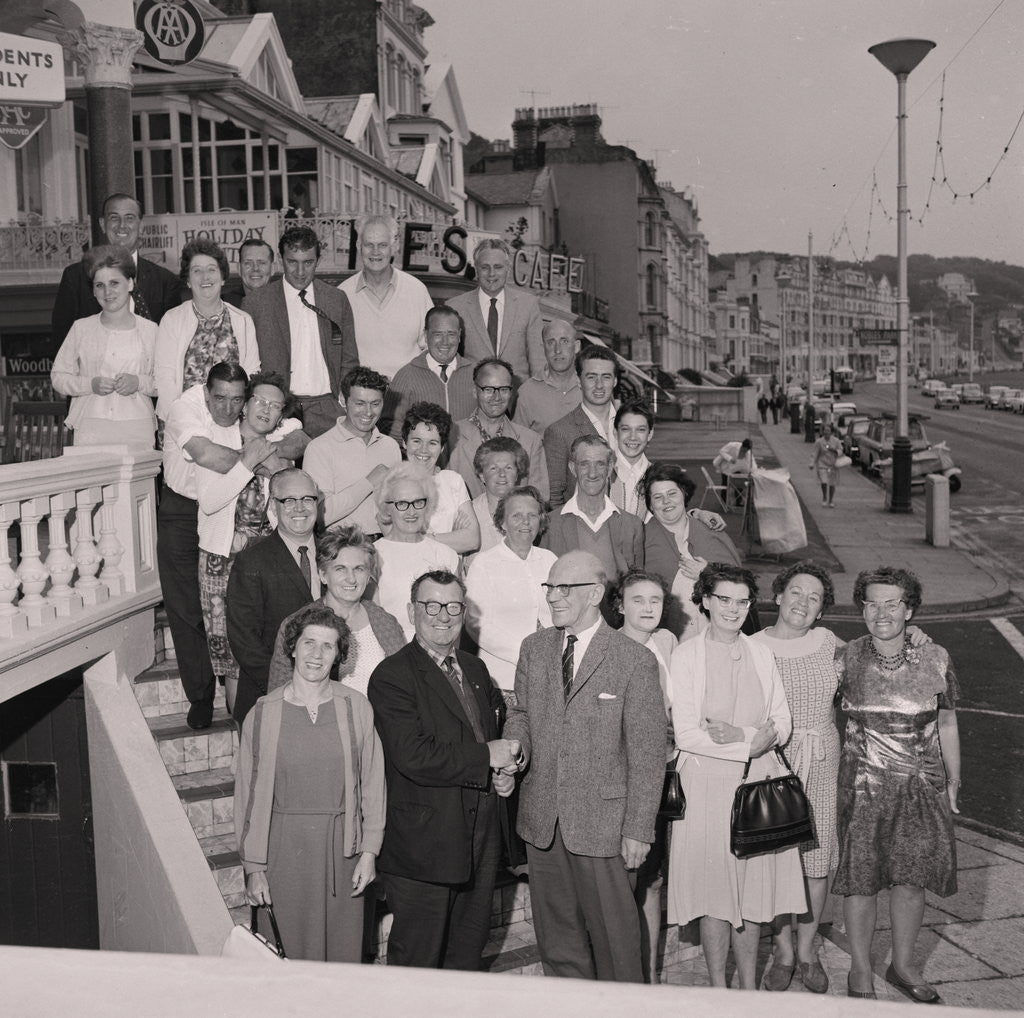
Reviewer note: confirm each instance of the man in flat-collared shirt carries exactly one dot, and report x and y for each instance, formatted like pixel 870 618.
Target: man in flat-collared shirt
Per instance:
pixel 555 391
pixel 389 305
pixel 439 375
pixel 492 378
pixel 349 462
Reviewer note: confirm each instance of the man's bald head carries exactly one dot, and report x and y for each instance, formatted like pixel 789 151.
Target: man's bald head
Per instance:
pixel 575 588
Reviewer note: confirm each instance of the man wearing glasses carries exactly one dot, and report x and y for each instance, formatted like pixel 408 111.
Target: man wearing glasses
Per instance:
pixel 439 375
pixel 439 715
pixel 350 461
pixel 492 379
pixel 590 719
pixel 270 580
pixel 554 391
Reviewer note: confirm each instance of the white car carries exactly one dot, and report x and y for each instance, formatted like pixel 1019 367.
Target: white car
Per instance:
pixel 931 385
pixel 1015 401
pixel 994 395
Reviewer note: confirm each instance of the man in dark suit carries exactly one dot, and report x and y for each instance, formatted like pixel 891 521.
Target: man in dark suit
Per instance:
pixel 439 716
pixel 590 719
pixel 598 373
pixel 439 375
pixel 501 321
pixel 305 330
pixel 591 522
pixel 269 580
pixel 255 269
pixel 156 289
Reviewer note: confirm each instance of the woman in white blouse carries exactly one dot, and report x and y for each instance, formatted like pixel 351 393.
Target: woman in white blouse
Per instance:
pixel 105 363
pixel 505 600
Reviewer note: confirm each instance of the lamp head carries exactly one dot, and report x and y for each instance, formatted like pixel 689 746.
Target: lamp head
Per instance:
pixel 901 56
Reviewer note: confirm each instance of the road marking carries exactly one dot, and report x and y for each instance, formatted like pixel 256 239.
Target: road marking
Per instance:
pixel 1010 633
pixel 980 710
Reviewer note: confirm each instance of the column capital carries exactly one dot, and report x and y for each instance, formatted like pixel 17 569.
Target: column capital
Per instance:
pixel 106 53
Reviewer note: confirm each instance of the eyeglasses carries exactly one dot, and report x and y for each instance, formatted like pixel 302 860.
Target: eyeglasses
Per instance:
pixel 876 607
pixel 402 504
pixel 490 391
pixel 268 404
pixel 730 602
pixel 290 503
pixel 562 589
pixel 432 608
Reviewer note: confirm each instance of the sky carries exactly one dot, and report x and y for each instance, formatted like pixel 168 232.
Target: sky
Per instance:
pixel 772 112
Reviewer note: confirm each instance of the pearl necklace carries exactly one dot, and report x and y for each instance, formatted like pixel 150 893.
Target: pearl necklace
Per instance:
pixel 891 662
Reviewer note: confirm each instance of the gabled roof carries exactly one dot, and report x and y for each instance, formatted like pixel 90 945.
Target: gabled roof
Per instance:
pixel 356 118
pixel 442 98
pixel 524 187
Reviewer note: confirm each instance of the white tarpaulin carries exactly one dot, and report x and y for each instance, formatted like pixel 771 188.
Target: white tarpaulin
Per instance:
pixel 780 521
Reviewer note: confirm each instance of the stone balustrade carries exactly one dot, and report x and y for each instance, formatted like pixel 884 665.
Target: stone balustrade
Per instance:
pixel 77 553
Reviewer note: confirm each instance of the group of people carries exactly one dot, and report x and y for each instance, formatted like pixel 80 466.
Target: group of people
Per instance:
pixel 479 618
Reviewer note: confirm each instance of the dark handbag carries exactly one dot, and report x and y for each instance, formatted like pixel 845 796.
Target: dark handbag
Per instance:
pixel 673 802
pixel 769 815
pixel 254 912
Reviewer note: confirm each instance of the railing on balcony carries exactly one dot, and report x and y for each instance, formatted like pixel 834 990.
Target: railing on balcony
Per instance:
pixel 77 555
pixel 34 244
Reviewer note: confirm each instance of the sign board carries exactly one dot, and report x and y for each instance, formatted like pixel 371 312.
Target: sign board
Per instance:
pixel 885 374
pixel 173 31
pixel 19 123
pixel 426 248
pixel 878 337
pixel 31 71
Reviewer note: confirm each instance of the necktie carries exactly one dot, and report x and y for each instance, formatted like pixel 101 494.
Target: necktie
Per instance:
pixel 307 573
pixel 492 323
pixel 453 676
pixel 316 311
pixel 567 654
pixel 444 372
pixel 141 307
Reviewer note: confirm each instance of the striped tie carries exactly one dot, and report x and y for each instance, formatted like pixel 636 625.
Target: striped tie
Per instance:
pixel 567 655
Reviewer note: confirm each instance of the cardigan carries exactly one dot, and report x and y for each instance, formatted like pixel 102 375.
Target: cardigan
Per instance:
pixel 687 683
pixel 365 792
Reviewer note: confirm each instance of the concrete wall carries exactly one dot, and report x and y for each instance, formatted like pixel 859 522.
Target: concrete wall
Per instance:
pixel 154 887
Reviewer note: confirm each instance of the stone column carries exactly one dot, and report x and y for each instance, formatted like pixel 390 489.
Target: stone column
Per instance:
pixel 106 54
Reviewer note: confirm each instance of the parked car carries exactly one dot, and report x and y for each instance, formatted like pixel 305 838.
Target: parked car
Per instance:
pixel 1015 401
pixel 855 426
pixel 994 395
pixel 949 398
pixel 876 443
pixel 971 392
pixel 1004 399
pixel 931 385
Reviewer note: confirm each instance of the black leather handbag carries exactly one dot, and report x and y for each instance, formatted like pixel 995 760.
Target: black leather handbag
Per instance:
pixel 673 802
pixel 277 947
pixel 769 815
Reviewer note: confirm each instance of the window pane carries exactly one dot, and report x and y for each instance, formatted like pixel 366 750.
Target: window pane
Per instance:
pixel 160 161
pixel 163 195
pixel 234 194
pixel 229 131
pixel 185 126
pixel 136 128
pixel 160 127
pixel 230 160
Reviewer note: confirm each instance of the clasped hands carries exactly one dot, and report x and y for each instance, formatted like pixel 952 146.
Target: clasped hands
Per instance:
pixel 722 733
pixel 507 760
pixel 123 384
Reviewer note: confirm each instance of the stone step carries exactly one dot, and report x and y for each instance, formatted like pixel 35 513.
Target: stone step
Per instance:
pixel 223 860
pixel 184 751
pixel 208 798
pixel 159 691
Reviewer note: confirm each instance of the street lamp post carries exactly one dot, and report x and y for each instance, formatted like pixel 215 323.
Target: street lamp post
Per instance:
pixel 900 57
pixel 972 297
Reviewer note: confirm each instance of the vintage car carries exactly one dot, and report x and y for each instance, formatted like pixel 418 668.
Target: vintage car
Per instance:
pixel 947 398
pixel 876 443
pixel 971 393
pixel 994 395
pixel 931 385
pixel 855 426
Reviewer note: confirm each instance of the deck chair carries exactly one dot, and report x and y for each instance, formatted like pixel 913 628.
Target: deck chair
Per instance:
pixel 34 431
pixel 717 490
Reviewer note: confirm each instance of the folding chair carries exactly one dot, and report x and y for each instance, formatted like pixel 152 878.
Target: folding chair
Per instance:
pixel 718 490
pixel 34 431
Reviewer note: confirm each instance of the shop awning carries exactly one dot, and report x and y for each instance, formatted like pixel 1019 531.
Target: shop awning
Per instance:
pixel 627 364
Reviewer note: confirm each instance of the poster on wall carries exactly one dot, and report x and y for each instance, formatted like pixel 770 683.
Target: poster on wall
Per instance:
pixel 163 237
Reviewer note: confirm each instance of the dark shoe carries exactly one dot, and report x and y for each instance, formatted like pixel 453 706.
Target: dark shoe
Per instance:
pixel 779 977
pixel 200 715
pixel 813 976
pixel 920 993
pixel 851 992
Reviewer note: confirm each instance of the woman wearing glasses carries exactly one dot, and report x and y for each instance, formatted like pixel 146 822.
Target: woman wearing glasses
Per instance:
pixel 899 778
pixel 728 708
pixel 233 509
pixel 310 795
pixel 408 496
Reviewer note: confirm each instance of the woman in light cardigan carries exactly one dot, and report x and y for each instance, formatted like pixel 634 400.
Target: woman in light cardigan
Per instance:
pixel 728 708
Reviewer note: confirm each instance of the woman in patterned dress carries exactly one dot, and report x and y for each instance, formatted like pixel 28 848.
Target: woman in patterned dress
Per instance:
pixel 899 779
pixel 203 331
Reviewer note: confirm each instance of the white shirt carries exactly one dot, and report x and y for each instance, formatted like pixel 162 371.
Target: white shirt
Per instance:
pixel 310 376
pixel 485 310
pixel 583 639
pixel 572 507
pixel 605 426
pixel 189 418
pixel 435 366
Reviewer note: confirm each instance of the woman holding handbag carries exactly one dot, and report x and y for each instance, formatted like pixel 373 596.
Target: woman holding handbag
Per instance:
pixel 728 710
pixel 827 450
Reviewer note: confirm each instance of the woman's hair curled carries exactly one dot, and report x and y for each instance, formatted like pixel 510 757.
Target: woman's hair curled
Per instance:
pixel 715 573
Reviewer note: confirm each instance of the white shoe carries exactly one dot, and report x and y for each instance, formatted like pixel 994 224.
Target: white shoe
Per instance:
pixel 824 501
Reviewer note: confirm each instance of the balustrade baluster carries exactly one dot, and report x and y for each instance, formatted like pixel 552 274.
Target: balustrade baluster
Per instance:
pixel 59 561
pixel 109 546
pixel 87 557
pixel 31 571
pixel 12 620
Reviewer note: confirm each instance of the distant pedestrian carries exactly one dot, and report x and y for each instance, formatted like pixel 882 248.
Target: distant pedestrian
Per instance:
pixel 827 449
pixel 778 405
pixel 762 407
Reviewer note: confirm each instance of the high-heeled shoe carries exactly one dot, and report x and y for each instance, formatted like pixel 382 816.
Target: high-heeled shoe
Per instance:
pixel 851 992
pixel 920 993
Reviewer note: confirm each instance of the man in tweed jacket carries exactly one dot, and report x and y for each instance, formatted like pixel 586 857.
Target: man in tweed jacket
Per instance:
pixel 592 727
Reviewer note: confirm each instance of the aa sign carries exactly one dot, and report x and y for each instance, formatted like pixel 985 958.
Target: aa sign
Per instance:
pixel 19 123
